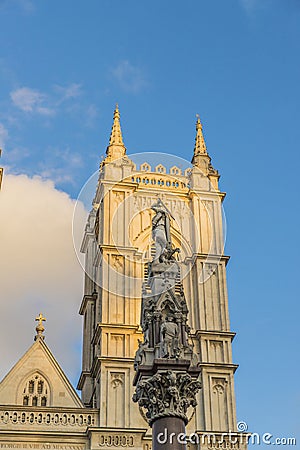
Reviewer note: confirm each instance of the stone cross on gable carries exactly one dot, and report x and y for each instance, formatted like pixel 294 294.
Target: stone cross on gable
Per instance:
pixel 40 319
pixel 40 327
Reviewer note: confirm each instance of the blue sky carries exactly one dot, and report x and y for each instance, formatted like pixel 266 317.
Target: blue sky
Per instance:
pixel 64 65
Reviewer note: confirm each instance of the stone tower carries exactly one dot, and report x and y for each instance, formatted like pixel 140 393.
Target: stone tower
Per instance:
pixel 118 246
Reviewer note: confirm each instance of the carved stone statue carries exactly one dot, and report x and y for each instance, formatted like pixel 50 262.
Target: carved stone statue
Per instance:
pixel 169 338
pixel 160 229
pixel 139 356
pixel 161 233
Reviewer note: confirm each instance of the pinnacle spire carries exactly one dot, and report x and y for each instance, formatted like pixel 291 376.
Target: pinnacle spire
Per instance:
pixel 200 146
pixel 116 148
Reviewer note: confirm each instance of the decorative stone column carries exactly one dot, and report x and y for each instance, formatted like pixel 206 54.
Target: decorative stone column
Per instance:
pixel 166 368
pixel 169 433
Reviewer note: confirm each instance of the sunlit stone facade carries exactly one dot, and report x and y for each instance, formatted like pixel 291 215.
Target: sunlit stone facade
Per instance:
pixel 117 244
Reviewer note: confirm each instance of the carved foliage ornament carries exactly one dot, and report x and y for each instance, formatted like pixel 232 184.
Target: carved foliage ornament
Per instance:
pixel 117 379
pixel 167 394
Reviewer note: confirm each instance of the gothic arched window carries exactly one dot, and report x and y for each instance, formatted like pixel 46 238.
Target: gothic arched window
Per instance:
pixel 31 387
pixel 36 391
pixel 40 387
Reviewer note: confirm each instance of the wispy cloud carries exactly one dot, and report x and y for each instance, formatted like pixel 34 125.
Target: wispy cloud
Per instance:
pixel 3 136
pixel 58 175
pixel 91 114
pixel 130 78
pixel 73 90
pixel 31 101
pixel 26 98
pixel 34 101
pixel 15 155
pixel 61 165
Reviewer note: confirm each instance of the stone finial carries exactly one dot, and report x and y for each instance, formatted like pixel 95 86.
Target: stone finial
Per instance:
pixel 116 148
pixel 200 146
pixel 202 162
pixel 40 327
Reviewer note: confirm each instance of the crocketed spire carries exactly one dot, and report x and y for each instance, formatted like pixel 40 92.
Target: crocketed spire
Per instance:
pixel 200 146
pixel 116 148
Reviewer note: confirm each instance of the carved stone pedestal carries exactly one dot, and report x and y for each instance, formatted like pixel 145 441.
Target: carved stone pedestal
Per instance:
pixel 165 391
pixel 168 433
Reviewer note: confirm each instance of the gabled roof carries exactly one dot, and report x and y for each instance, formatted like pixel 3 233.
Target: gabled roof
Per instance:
pixel 38 360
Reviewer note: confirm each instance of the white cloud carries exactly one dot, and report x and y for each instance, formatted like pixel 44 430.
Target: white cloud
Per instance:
pixel 31 100
pixel 16 154
pixel 44 111
pixel 26 99
pixel 73 90
pixel 58 175
pixel 129 77
pixel 3 136
pixel 39 271
pixel 61 165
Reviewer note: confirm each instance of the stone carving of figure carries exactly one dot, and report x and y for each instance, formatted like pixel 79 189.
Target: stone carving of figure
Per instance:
pixel 160 229
pixel 169 338
pixel 161 233
pixel 139 356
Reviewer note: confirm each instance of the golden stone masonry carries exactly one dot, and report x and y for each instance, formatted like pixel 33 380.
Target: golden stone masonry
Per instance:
pixel 39 408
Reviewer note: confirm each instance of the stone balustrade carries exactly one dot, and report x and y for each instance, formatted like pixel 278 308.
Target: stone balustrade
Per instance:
pixel 160 177
pixel 159 181
pixel 50 419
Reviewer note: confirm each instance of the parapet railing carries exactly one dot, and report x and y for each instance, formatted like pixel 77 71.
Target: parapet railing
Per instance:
pixel 47 418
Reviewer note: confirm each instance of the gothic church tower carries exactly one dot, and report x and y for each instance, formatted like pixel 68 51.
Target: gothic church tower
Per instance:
pixel 117 245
